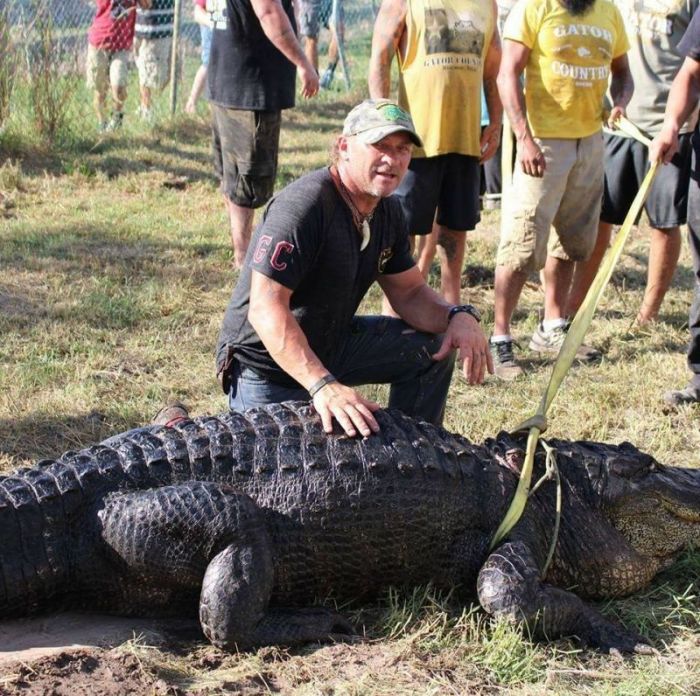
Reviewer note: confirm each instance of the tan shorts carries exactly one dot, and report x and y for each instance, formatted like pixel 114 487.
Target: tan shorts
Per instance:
pixel 567 197
pixel 153 61
pixel 105 68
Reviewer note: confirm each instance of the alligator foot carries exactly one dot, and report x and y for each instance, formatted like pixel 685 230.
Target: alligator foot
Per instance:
pixel 282 626
pixel 599 632
pixel 509 585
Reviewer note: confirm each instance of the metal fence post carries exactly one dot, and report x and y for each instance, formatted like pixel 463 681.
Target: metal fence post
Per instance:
pixel 174 57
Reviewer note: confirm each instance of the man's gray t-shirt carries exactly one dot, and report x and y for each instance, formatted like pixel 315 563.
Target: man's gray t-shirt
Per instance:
pixel 654 29
pixel 308 242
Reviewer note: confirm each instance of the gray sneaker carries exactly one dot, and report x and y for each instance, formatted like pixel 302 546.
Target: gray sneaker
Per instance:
pixel 550 342
pixel 171 415
pixel 680 397
pixel 505 366
pixel 327 77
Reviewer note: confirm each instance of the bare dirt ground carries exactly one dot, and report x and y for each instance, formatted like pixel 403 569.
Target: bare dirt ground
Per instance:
pixel 78 654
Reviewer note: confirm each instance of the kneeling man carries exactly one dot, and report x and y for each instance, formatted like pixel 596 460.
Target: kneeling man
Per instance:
pixel 290 330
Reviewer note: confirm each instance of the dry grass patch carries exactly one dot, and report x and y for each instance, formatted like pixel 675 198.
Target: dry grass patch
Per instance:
pixel 115 270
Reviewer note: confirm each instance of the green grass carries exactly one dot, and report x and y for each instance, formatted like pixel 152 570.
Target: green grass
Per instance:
pixel 115 270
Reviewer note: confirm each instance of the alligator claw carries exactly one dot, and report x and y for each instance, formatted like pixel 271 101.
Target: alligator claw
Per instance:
pixel 617 640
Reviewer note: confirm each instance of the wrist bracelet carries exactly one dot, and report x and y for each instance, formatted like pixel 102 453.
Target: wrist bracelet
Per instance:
pixel 317 386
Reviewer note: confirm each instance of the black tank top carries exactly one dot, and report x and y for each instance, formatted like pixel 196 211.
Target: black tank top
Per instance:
pixel 246 71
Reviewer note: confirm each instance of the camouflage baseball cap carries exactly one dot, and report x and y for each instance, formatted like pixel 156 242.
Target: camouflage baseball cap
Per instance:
pixel 374 119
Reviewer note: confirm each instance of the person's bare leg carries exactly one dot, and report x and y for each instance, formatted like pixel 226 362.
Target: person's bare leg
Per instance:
pixel 145 97
pixel 332 49
pixel 311 50
pixel 119 97
pixel 507 288
pixel 200 79
pixel 557 275
pixel 585 271
pixel 450 251
pixel 98 102
pixel 241 225
pixel 664 250
pixel 426 246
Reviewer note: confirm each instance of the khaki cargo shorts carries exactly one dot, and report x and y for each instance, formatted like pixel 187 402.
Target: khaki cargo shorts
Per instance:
pixel 567 197
pixel 105 68
pixel 153 61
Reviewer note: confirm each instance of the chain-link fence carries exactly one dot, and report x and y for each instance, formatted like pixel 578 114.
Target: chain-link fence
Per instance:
pixel 69 68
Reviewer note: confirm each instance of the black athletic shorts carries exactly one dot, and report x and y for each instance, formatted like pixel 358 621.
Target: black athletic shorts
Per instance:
pixel 245 145
pixel 446 183
pixel 626 164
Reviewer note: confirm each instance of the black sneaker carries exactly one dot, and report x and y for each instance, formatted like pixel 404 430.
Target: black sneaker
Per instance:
pixel 116 122
pixel 505 365
pixel 680 397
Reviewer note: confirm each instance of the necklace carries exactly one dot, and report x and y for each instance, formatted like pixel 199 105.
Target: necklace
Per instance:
pixel 360 221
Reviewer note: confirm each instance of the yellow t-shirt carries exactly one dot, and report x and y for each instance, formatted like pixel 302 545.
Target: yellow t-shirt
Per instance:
pixel 442 72
pixel 568 70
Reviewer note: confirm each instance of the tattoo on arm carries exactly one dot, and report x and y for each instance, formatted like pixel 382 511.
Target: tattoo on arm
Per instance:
pixel 510 88
pixel 493 101
pixel 388 29
pixel 491 66
pixel 514 106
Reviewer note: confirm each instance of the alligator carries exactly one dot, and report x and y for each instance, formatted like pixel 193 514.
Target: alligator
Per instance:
pixel 252 518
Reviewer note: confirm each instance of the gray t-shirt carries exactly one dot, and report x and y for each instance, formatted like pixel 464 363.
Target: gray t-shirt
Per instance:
pixel 654 29
pixel 307 241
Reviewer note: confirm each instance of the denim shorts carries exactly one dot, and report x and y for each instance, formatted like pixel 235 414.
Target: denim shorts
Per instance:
pixel 205 34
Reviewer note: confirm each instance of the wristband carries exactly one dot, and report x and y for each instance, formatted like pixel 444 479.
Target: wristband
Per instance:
pixel 471 310
pixel 317 386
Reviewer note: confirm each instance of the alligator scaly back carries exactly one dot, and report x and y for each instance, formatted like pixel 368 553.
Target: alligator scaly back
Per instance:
pixel 251 517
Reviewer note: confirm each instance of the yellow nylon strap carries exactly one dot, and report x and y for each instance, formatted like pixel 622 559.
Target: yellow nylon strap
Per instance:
pixel 626 126
pixel 572 341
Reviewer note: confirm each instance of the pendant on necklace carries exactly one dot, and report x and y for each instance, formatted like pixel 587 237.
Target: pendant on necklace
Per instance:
pixel 366 232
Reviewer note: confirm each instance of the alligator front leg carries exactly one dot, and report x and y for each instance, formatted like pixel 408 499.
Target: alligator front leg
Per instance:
pixel 233 607
pixel 509 585
pixel 173 542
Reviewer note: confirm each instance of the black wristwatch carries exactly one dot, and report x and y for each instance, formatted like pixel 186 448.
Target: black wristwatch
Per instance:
pixel 471 310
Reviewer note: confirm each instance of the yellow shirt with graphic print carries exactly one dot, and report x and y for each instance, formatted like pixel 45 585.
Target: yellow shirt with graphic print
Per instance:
pixel 568 70
pixel 442 71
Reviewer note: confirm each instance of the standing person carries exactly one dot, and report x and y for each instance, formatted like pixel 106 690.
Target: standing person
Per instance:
pixel 290 330
pixel 447 49
pixel 492 168
pixel 682 102
pixel 313 14
pixel 252 78
pixel 153 43
pixel 654 31
pixel 203 19
pixel 569 51
pixel 110 38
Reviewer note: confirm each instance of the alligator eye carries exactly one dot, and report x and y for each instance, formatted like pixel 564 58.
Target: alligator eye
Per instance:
pixel 628 468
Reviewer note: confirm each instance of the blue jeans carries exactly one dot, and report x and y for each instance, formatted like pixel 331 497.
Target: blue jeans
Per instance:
pixel 694 243
pixel 377 350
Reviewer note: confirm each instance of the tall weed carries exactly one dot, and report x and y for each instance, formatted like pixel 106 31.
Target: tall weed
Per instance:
pixel 52 76
pixel 8 67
